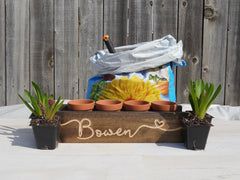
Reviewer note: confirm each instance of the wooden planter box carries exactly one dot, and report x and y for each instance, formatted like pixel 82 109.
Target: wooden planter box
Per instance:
pixel 120 127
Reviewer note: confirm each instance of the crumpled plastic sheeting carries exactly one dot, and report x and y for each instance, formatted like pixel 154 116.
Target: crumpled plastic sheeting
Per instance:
pixel 138 57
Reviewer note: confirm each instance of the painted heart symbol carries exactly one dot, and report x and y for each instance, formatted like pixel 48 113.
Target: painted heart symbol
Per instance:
pixel 159 123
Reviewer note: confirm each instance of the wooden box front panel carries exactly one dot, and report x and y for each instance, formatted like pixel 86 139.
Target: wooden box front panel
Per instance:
pixel 120 127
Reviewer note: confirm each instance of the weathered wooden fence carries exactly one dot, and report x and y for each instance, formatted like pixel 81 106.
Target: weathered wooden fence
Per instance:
pixel 50 41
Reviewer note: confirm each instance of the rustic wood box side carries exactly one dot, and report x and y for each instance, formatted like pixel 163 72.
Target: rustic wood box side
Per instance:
pixel 120 127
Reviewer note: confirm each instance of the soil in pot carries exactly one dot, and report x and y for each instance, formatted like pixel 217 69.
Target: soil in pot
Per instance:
pixel 136 105
pixel 195 131
pixel 163 106
pixel 81 105
pixel 109 105
pixel 46 132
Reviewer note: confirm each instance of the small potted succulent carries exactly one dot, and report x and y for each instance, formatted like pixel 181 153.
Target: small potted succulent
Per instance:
pixel 197 122
pixel 44 122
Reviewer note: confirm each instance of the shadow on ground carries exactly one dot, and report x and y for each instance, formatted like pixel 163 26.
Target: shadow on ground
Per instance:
pixel 19 137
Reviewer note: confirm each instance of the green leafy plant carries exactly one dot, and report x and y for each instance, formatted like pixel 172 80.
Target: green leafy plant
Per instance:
pixel 201 96
pixel 41 105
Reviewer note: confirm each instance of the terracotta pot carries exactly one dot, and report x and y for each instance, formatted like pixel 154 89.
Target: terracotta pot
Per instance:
pixel 109 105
pixel 163 106
pixel 81 105
pixel 136 105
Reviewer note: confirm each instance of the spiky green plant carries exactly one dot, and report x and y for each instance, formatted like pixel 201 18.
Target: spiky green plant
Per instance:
pixel 41 105
pixel 201 96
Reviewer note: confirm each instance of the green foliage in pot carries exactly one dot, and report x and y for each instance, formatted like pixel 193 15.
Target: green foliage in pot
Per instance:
pixel 41 105
pixel 201 96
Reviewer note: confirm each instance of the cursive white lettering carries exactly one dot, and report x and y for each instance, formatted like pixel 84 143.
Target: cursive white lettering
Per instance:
pixel 109 132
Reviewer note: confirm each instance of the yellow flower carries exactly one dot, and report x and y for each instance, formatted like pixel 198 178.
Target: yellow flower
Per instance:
pixel 133 88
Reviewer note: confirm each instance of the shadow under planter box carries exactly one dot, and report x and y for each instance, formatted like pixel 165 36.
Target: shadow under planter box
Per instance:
pixel 120 127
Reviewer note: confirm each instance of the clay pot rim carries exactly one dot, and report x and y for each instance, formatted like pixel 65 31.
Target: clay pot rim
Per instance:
pixel 136 105
pixel 81 101
pixel 136 102
pixel 81 104
pixel 163 105
pixel 109 105
pixel 109 102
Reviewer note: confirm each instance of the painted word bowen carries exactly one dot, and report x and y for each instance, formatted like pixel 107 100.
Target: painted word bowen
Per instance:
pixel 85 124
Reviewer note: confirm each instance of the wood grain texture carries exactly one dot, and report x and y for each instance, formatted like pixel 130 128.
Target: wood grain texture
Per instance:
pixel 233 56
pixel 120 127
pixel 17 49
pixel 66 49
pixel 165 21
pixel 41 44
pixel 165 18
pixel 215 44
pixel 50 42
pixel 190 32
pixel 140 21
pixel 90 39
pixel 115 21
pixel 2 53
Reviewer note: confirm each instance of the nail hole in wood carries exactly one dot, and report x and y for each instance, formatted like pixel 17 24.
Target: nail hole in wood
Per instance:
pixel 184 3
pixel 205 69
pixel 51 62
pixel 209 12
pixel 194 60
pixel 151 3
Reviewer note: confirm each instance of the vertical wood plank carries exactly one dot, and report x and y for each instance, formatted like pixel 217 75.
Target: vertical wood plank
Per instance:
pixel 90 39
pixel 66 49
pixel 233 55
pixel 140 21
pixel 17 49
pixel 115 21
pixel 41 44
pixel 190 32
pixel 165 21
pixel 2 52
pixel 80 25
pixel 165 18
pixel 215 43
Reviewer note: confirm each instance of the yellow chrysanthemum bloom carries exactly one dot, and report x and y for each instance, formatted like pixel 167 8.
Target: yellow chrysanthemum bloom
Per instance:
pixel 132 88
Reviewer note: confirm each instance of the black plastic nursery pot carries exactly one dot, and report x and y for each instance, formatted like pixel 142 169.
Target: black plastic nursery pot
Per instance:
pixel 46 136
pixel 195 137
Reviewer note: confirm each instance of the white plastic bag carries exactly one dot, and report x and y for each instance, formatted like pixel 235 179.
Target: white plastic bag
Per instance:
pixel 138 57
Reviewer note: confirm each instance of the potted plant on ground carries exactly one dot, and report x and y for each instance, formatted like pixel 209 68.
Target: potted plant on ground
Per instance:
pixel 44 122
pixel 197 122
